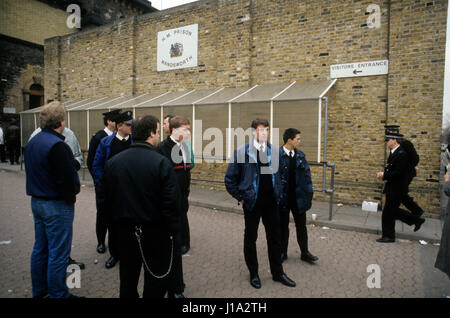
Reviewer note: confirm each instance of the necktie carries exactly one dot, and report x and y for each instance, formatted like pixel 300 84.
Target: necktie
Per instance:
pixel 291 154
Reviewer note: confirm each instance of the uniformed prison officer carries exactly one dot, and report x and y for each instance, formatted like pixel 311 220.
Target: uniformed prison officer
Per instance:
pixel 177 149
pixel 108 148
pixel 413 161
pixel 141 191
pixel 251 179
pixel 297 188
pixel 101 225
pixel 396 174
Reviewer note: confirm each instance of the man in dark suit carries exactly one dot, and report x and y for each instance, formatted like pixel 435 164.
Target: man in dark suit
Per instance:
pixel 413 161
pixel 396 174
pixel 175 148
pixel 108 148
pixel 101 226
pixel 251 179
pixel 140 190
pixel 298 192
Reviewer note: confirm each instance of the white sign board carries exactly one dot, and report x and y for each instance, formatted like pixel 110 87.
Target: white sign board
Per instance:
pixel 9 110
pixel 359 69
pixel 177 48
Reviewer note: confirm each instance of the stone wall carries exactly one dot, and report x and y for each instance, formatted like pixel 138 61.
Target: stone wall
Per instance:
pixel 243 43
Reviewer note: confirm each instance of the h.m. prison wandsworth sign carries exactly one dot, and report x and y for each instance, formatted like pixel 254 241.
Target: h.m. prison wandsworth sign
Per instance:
pixel 177 48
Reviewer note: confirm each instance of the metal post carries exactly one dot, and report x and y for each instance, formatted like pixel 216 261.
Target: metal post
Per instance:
pixel 333 166
pixel 325 132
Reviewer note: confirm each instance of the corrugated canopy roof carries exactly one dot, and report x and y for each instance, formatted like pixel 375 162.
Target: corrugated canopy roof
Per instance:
pixel 258 93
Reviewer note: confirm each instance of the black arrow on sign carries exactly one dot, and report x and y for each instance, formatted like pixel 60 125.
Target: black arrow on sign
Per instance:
pixel 356 72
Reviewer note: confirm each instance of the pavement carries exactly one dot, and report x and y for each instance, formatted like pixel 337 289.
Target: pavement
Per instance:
pixel 343 217
pixel 215 267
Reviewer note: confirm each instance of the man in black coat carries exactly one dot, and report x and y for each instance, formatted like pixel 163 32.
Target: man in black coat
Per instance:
pixel 413 161
pixel 396 174
pixel 101 225
pixel 176 150
pixel 140 190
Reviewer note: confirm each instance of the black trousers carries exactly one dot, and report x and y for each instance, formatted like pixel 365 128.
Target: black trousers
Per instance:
pixel 156 247
pixel 176 283
pixel 185 233
pixel 101 224
pixel 266 210
pixel 409 203
pixel 14 151
pixel 2 153
pixel 300 227
pixel 392 212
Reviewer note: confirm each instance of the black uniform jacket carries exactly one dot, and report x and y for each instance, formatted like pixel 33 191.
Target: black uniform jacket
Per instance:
pixel 139 186
pixel 396 173
pixel 93 145
pixel 183 174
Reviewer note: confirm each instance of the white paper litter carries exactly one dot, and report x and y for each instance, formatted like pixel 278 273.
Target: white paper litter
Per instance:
pixel 5 242
pixel 95 261
pixel 423 242
pixel 436 244
pixel 340 204
pixel 323 237
pixel 325 228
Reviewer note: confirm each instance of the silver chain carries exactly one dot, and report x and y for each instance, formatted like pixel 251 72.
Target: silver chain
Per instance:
pixel 138 234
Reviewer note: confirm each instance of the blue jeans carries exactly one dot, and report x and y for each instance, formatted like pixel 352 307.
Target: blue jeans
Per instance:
pixel 53 221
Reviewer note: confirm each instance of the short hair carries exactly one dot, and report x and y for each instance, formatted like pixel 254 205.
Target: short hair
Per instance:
pixel 260 121
pixel 170 116
pixel 177 122
pixel 290 133
pixel 143 126
pixel 52 115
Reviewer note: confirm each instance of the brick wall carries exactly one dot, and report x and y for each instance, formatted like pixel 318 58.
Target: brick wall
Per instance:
pixel 242 43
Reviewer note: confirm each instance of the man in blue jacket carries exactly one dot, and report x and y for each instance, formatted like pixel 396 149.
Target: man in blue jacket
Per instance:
pixel 109 147
pixel 297 188
pixel 251 179
pixel 52 182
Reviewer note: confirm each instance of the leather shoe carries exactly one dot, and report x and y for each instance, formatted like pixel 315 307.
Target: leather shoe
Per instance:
pixel 175 295
pixel 255 281
pixel 386 240
pixel 283 257
pixel 308 257
pixel 419 224
pixel 101 248
pixel 72 261
pixel 284 280
pixel 184 249
pixel 111 262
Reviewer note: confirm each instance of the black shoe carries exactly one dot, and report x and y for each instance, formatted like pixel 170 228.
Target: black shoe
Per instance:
pixel 185 249
pixel 285 280
pixel 255 281
pixel 283 257
pixel 111 262
pixel 308 257
pixel 74 296
pixel 101 248
pixel 72 261
pixel 386 240
pixel 419 224
pixel 175 295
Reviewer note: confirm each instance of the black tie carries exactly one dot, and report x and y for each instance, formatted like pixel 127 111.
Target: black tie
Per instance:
pixel 291 155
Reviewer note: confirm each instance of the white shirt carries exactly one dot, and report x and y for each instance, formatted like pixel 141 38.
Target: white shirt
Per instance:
pixel 122 138
pixel 392 151
pixel 258 146
pixel 108 132
pixel 288 152
pixel 182 148
pixel 2 141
